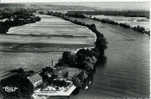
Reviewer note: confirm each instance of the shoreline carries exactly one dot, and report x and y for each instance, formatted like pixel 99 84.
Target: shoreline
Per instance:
pixel 80 64
pixel 124 25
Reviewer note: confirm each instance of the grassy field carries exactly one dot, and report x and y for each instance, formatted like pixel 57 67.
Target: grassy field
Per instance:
pixel 132 21
pixel 50 25
pixel 36 45
pixel 50 30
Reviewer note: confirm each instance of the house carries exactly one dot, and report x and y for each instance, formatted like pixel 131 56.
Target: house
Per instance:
pixel 36 80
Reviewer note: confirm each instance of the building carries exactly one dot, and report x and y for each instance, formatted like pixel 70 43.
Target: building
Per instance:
pixel 36 80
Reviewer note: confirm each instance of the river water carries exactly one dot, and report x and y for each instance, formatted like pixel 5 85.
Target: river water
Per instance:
pixel 126 72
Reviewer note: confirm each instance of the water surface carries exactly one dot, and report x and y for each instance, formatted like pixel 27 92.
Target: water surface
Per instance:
pixel 126 72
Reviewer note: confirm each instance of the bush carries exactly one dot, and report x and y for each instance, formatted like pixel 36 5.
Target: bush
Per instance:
pixel 76 15
pixel 16 18
pixel 68 59
pixel 18 80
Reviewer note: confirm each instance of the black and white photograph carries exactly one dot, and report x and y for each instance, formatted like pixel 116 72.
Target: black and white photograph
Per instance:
pixel 75 49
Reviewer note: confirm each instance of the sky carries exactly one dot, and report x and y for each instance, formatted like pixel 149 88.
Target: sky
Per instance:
pixel 14 1
pixel 101 4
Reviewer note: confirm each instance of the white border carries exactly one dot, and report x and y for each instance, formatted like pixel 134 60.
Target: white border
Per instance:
pixel 30 1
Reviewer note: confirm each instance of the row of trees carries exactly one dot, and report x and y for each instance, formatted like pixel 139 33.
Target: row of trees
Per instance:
pixel 135 28
pixel 16 18
pixel 84 59
pixel 76 15
pixel 100 43
pixel 127 13
pixel 17 86
pixel 79 15
pixel 18 12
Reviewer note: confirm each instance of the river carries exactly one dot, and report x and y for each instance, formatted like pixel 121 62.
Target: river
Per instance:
pixel 126 72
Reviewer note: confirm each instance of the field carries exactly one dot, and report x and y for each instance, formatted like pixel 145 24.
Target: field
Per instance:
pixel 35 45
pixel 132 21
pixel 54 27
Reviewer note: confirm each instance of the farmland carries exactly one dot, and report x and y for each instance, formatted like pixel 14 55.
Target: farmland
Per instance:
pixel 54 27
pixel 35 45
pixel 139 24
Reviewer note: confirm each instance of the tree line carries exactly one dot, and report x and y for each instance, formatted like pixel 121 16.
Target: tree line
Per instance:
pixel 127 13
pixel 125 25
pixel 10 18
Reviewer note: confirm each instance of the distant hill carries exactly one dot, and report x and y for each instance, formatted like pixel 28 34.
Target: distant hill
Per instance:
pixel 9 5
pixel 116 8
pixel 45 6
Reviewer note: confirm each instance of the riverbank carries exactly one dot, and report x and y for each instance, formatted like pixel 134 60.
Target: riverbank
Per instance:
pixel 83 14
pixel 113 12
pixel 83 59
pixel 100 43
pixel 117 78
pixel 125 25
pixel 126 72
pixel 92 27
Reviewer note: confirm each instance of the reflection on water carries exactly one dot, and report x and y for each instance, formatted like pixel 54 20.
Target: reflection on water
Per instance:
pixel 126 70
pixel 101 62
